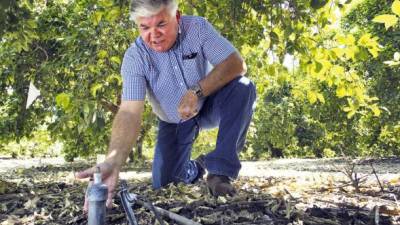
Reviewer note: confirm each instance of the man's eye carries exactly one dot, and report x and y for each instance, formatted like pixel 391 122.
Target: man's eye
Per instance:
pixel 161 25
pixel 144 28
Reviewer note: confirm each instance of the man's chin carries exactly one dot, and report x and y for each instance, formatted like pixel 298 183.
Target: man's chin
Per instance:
pixel 160 49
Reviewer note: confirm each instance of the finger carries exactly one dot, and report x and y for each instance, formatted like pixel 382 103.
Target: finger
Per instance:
pixel 110 196
pixel 86 202
pixel 86 173
pixel 181 112
pixel 187 109
pixel 86 205
pixel 185 115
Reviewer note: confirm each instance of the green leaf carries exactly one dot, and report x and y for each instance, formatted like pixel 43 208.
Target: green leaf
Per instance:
pixel 337 70
pixel 282 79
pixel 115 59
pixel 351 52
pixel 396 7
pixel 95 88
pixel 106 3
pixel 320 98
pixel 341 92
pixel 375 109
pixel 63 100
pixel 312 97
pixel 338 51
pixel 348 40
pixel 373 99
pixel 113 14
pixel 102 54
pixel 271 70
pixel 350 114
pixel 388 19
pixel 97 18
pixel 347 109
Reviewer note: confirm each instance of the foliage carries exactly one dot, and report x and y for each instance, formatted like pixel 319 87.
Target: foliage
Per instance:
pixel 65 51
pixel 40 145
pixel 390 20
pixel 382 75
pixel 205 142
pixel 337 96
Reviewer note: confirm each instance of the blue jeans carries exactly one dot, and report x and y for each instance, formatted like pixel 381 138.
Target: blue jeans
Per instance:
pixel 230 109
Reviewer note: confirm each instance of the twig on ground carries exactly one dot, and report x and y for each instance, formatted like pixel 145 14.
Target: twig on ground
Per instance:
pixel 350 172
pixel 179 219
pixel 290 194
pixel 243 204
pixel 377 178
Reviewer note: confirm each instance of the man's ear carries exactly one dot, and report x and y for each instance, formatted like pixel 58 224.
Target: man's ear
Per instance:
pixel 178 15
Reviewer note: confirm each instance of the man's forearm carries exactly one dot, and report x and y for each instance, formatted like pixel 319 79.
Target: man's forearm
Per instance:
pixel 124 133
pixel 223 73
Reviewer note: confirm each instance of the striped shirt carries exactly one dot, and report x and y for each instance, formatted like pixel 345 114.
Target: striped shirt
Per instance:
pixel 166 76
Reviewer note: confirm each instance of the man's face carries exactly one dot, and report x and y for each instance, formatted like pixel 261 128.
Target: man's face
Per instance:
pixel 159 32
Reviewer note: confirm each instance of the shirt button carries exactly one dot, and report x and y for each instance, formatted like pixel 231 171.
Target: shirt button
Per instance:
pixel 181 84
pixel 175 67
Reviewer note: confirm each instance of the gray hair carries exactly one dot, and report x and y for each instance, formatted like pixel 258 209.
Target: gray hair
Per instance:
pixel 146 8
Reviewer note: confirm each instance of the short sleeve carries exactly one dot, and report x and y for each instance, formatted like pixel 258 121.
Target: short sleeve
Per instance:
pixel 216 48
pixel 133 75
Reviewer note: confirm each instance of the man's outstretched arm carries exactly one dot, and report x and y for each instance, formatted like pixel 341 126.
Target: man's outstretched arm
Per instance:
pixel 125 130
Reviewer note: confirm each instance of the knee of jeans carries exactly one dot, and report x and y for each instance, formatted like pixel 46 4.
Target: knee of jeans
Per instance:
pixel 246 88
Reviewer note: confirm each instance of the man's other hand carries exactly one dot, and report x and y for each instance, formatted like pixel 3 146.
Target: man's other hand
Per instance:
pixel 188 105
pixel 109 177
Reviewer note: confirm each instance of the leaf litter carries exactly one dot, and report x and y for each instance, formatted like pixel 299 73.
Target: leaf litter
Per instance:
pixel 50 195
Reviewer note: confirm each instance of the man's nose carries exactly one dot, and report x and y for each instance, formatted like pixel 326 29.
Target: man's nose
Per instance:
pixel 155 33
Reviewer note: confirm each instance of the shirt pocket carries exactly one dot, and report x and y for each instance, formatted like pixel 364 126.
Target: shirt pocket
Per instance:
pixel 194 67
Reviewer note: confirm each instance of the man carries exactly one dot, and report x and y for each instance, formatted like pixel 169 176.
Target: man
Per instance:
pixel 169 62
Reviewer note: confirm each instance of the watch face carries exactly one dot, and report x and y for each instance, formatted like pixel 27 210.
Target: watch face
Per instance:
pixel 197 90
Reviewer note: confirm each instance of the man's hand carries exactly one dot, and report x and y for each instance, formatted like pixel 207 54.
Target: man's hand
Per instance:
pixel 188 105
pixel 109 176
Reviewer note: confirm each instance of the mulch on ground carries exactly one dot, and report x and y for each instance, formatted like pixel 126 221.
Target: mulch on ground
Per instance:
pixel 51 195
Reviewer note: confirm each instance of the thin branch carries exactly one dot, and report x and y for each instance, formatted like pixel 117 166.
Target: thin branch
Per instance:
pixel 179 219
pixel 377 178
pixel 110 106
pixel 290 194
pixel 44 51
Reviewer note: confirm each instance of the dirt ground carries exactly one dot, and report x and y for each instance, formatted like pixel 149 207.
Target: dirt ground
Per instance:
pixel 284 191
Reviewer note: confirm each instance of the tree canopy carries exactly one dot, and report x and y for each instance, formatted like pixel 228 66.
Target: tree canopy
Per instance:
pixel 326 72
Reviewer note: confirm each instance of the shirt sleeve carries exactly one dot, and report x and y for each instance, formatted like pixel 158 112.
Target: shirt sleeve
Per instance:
pixel 133 78
pixel 216 48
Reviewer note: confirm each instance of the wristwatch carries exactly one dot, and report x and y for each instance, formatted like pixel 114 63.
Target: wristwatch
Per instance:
pixel 197 90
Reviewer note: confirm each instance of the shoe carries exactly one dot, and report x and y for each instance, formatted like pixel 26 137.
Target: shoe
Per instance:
pixel 201 168
pixel 220 185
